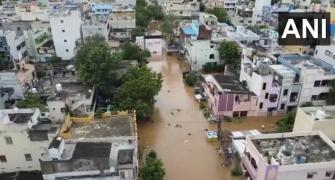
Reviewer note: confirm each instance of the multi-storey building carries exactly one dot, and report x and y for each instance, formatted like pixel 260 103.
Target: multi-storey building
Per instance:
pixel 25 135
pixel 35 39
pixel 99 148
pixel 197 45
pixel 289 156
pixel 228 97
pixel 315 76
pixel 12 47
pixel 258 10
pixel 101 11
pixel 91 28
pixel 65 29
pixel 121 21
pixel 316 118
pixel 243 14
pixel 181 8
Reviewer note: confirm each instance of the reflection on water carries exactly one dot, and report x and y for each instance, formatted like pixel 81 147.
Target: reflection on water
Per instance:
pixel 185 157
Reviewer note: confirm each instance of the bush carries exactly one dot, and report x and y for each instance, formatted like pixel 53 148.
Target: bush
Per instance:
pixel 191 79
pixel 211 67
pixel 202 105
pixel 236 171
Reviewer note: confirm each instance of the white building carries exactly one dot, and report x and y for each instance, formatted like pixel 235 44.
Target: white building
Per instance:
pixel 23 138
pixel 258 10
pixel 243 14
pixel 317 118
pixel 16 45
pixel 208 19
pixel 326 53
pixel 314 74
pixel 109 153
pixel 181 8
pixel 289 156
pixel 65 29
pixel 152 41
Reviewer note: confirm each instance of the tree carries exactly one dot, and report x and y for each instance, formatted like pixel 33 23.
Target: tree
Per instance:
pixel 134 52
pixel 230 53
pixel 191 79
pixel 145 13
pixel 32 101
pixel 286 123
pixel 167 27
pixel 331 94
pixel 220 13
pixel 153 168
pixel 210 67
pixel 202 7
pixel 96 65
pixel 137 31
pixel 139 87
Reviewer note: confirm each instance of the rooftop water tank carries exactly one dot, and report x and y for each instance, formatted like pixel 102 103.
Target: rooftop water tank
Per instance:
pixel 59 87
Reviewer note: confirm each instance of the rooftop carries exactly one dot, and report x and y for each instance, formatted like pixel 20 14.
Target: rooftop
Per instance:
pixel 319 113
pixel 294 148
pixel 230 84
pixel 283 70
pixel 297 62
pixel 114 126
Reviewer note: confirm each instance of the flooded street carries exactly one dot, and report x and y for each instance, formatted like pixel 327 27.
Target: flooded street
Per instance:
pixel 185 157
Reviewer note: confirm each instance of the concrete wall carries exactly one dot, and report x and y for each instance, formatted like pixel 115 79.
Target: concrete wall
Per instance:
pixel 70 23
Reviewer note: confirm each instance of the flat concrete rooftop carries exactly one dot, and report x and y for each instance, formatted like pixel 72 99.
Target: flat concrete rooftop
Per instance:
pixel 114 126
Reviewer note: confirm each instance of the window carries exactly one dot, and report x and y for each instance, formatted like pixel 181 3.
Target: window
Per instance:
pixel 285 92
pixel 61 21
pixel 67 50
pixel 310 175
pixel 122 174
pixel 317 83
pixel 314 97
pixel 212 46
pixel 3 159
pixel 328 174
pixel 243 113
pixel 316 52
pixel 5 48
pixel 325 82
pixel 282 106
pixel 65 40
pixel 264 86
pixel 266 95
pixel 28 157
pixel 63 30
pixel 260 105
pixel 8 140
pixel 211 56
pixel 18 28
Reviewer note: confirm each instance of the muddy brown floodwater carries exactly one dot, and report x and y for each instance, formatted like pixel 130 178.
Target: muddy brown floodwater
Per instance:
pixel 185 157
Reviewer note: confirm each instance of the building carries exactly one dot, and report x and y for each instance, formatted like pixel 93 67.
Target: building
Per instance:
pixel 13 83
pixel 228 97
pixel 65 29
pixel 317 118
pixel 35 39
pixel 13 47
pixel 197 46
pixel 289 156
pixel 208 19
pixel 121 21
pixel 25 134
pixel 101 11
pixel 258 10
pixel 314 74
pixel 243 14
pixel 91 28
pixel 152 41
pixel 65 91
pixel 184 9
pixel 100 148
pixel 243 35
pixel 326 53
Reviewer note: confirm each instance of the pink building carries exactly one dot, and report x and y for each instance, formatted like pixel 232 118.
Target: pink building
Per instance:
pixel 227 96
